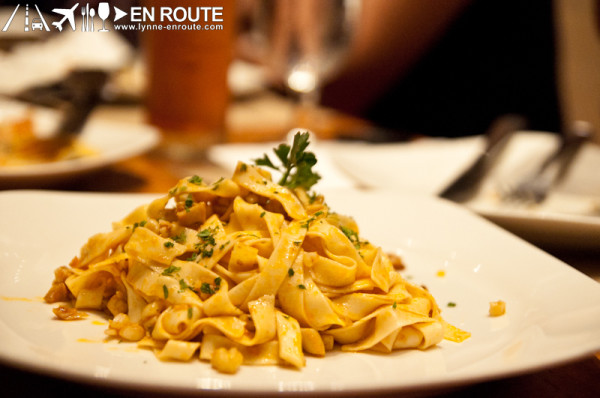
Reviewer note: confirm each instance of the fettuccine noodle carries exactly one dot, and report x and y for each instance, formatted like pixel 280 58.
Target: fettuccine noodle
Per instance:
pixel 246 266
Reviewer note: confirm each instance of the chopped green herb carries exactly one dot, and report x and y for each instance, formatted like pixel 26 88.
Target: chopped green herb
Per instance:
pixel 207 242
pixel 181 238
pixel 306 224
pixel 168 244
pixel 243 167
pixel 207 235
pixel 262 214
pixel 190 312
pixel 206 288
pixel 296 164
pixel 189 202
pixel 183 285
pixel 216 184
pixel 195 180
pixel 218 281
pixel 301 286
pixel 394 305
pixel 290 272
pixel 171 270
pixel 139 224
pixel 451 304
pixel 352 235
pixel 165 292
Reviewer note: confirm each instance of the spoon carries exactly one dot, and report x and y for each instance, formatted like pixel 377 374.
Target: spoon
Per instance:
pixel 92 14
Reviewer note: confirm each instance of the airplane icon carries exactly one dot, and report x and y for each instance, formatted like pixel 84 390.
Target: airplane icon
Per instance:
pixel 68 14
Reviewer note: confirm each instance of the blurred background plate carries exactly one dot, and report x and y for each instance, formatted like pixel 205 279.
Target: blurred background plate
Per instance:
pixel 112 141
pixel 570 216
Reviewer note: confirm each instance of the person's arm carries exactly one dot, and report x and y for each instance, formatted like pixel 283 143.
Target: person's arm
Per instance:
pixel 391 37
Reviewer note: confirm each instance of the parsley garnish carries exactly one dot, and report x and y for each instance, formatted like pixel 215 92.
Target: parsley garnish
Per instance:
pixel 352 235
pixel 165 291
pixel 140 224
pixel 183 285
pixel 306 224
pixel 181 238
pixel 206 235
pixel 296 164
pixel 210 289
pixel 195 180
pixel 207 242
pixel 301 286
pixel 171 270
pixel 206 288
pixel 451 304
pixel 290 272
pixel 168 244
pixel 190 312
pixel 216 184
pixel 189 202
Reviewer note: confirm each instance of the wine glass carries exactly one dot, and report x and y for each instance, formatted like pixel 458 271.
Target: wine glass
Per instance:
pixel 302 43
pixel 103 13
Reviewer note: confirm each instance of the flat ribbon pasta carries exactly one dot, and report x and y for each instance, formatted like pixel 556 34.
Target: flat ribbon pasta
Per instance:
pixel 245 264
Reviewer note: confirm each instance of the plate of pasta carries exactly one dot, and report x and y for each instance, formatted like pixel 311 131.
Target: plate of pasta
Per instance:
pixel 246 285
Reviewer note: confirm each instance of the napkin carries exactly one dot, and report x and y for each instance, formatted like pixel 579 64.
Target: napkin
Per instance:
pixel 423 166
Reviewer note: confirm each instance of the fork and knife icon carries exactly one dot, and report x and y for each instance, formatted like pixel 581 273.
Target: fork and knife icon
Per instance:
pixel 88 14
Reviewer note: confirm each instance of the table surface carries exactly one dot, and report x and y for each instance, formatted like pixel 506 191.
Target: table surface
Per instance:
pixel 153 172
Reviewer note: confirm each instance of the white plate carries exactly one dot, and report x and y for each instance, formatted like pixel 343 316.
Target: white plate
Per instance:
pixel 569 217
pixel 113 141
pixel 553 311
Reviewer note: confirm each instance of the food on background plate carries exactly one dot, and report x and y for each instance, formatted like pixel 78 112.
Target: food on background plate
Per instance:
pixel 248 271
pixel 19 145
pixel 497 308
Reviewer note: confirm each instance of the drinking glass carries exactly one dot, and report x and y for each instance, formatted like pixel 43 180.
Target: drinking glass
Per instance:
pixel 103 13
pixel 302 43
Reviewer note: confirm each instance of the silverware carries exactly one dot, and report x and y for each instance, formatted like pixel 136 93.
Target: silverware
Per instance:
pixel 467 184
pixel 534 188
pixel 76 96
pixel 92 15
pixel 83 19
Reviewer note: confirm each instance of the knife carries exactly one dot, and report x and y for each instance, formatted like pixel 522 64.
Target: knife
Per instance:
pixel 467 184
